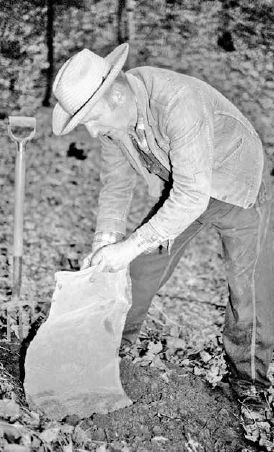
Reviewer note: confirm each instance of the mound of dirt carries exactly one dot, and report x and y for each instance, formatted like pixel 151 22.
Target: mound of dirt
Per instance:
pixel 172 411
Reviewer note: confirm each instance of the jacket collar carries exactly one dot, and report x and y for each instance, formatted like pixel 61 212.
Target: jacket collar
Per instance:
pixel 141 98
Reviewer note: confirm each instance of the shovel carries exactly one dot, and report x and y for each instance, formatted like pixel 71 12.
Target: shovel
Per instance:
pixel 21 129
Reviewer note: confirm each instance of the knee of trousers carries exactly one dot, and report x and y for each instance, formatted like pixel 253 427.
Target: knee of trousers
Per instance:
pixel 146 272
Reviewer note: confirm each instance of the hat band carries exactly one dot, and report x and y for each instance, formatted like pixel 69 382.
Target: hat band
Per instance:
pixel 93 94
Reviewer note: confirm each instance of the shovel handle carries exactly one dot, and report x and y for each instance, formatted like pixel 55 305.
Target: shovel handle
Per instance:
pixel 22 121
pixel 19 200
pixel 27 124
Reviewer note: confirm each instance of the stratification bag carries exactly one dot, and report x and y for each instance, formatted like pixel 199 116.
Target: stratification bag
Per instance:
pixel 72 364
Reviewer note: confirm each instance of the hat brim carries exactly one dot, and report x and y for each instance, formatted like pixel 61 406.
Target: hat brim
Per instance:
pixel 63 122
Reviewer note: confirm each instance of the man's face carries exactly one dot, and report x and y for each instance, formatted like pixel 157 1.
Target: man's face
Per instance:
pixel 102 119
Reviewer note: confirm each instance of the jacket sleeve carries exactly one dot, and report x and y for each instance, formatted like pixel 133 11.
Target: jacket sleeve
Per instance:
pixel 191 150
pixel 118 180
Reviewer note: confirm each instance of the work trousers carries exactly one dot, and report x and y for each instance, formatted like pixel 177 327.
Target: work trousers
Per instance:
pixel 246 238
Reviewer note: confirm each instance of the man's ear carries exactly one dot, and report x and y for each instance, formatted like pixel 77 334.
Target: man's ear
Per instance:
pixel 118 94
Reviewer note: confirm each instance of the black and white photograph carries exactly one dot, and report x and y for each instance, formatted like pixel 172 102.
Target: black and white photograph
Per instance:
pixel 137 219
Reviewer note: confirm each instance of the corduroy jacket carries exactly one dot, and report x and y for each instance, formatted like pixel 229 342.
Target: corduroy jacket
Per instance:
pixel 209 147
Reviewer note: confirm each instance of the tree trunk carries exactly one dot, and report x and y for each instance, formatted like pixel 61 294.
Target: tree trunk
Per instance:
pixel 130 20
pixel 225 39
pixel 121 22
pixel 50 45
pixel 130 8
pixel 126 27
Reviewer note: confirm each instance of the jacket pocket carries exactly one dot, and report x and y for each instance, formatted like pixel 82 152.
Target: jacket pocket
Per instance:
pixel 230 159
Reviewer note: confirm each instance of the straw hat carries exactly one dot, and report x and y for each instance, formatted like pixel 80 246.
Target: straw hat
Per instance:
pixel 81 82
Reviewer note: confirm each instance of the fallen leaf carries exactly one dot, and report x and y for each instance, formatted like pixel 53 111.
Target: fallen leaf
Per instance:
pixel 165 377
pixel 67 429
pixel 155 348
pixel 9 409
pixel 102 448
pixel 158 363
pixel 176 343
pixel 185 362
pixel 198 371
pixel 67 448
pixel 79 435
pixel 10 432
pixel 205 356
pixel 50 434
pixel 159 438
pixel 16 448
pixel 32 419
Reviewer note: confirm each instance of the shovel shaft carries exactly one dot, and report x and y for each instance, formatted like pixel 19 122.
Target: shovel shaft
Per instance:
pixel 17 277
pixel 20 169
pixel 16 289
pixel 19 200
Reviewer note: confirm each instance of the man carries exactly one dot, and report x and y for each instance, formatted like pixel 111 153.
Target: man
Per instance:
pixel 204 161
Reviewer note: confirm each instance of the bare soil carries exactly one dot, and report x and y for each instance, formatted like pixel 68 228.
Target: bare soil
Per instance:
pixel 173 410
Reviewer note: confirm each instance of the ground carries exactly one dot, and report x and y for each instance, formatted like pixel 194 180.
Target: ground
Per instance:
pixel 172 375
pixel 172 410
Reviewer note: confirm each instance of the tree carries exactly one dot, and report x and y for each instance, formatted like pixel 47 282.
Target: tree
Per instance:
pixel 121 31
pixel 126 25
pixel 52 5
pixel 50 46
pixel 225 39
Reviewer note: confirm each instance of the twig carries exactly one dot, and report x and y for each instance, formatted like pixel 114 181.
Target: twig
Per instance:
pixel 8 326
pixel 177 297
pixel 11 351
pixel 166 317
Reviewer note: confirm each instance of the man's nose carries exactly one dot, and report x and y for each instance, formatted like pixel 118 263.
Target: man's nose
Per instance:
pixel 92 128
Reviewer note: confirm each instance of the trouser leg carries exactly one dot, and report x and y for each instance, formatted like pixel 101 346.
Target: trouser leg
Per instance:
pixel 249 322
pixel 148 273
pixel 248 251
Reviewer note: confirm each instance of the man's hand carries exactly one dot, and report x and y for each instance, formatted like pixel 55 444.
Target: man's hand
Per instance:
pixel 112 258
pixel 101 239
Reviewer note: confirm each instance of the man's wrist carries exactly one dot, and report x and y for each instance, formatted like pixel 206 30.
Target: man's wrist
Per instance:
pixel 108 237
pixel 105 238
pixel 141 243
